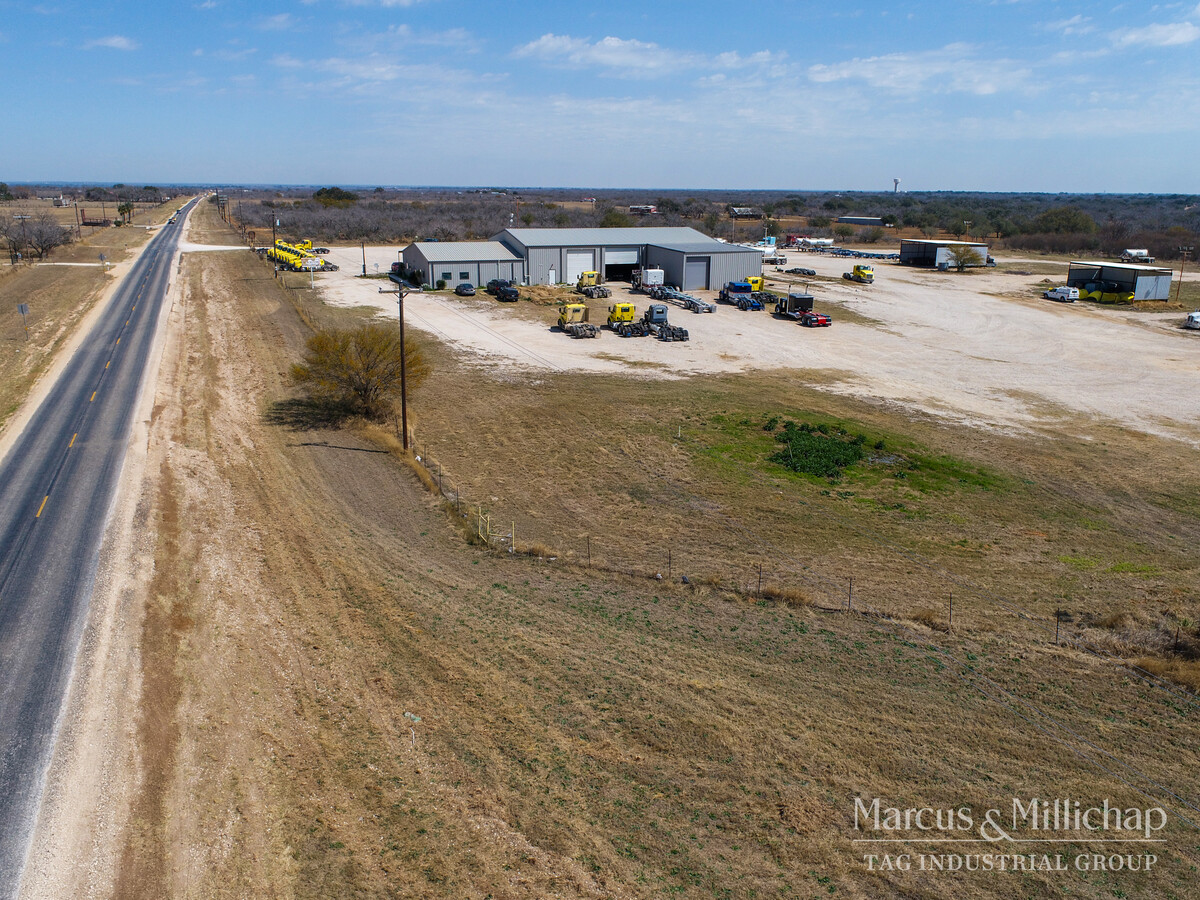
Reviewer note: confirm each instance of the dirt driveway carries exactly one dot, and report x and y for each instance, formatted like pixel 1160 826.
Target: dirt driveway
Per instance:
pixel 979 348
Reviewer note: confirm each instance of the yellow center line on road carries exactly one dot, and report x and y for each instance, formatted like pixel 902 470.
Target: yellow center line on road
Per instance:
pixel 43 506
pixel 72 444
pixel 118 340
pixel 93 396
pixel 107 364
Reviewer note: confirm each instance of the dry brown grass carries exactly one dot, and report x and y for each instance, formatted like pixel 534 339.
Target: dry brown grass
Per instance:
pixel 788 596
pixel 933 619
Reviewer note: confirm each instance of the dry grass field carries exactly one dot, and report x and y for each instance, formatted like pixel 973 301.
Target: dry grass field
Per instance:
pixel 345 698
pixel 58 296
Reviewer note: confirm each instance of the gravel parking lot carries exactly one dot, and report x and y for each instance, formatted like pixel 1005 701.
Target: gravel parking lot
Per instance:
pixel 980 347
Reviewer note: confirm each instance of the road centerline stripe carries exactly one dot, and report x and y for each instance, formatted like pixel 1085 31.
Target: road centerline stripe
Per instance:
pixel 43 506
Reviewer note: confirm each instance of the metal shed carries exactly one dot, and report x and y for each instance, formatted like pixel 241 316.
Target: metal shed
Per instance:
pixel 557 255
pixel 475 262
pixel 1120 279
pixel 936 253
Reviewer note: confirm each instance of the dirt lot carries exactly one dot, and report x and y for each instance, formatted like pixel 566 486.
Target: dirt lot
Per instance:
pixel 340 697
pixel 981 348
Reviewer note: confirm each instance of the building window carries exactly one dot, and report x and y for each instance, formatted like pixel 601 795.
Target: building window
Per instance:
pixel 464 276
pixel 445 276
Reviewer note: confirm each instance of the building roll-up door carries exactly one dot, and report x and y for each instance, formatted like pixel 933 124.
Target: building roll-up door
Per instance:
pixel 695 273
pixel 621 257
pixel 578 262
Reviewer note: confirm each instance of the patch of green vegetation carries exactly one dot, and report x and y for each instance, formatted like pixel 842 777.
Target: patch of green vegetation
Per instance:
pixel 1079 562
pixel 818 450
pixel 1128 568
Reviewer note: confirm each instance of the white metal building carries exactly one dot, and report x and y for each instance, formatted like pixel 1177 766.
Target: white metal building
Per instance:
pixel 937 253
pixel 1120 279
pixel 475 262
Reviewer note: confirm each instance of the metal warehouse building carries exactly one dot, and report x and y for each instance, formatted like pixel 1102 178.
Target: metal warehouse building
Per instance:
pixel 1103 278
pixel 936 253
pixel 453 262
pixel 687 257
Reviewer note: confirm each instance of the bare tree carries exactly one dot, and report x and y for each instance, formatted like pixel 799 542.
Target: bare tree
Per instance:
pixel 43 235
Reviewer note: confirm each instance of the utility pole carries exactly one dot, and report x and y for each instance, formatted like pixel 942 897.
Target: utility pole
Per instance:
pixel 400 291
pixel 364 252
pixel 1183 255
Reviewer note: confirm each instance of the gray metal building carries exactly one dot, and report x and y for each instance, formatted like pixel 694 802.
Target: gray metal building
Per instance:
pixel 937 253
pixel 454 262
pixel 687 257
pixel 1144 282
pixel 861 220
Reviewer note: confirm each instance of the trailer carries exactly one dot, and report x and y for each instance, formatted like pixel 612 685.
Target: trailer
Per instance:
pixel 687 301
pixel 646 280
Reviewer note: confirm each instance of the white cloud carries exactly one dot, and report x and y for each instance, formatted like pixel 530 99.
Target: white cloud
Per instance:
pixel 1157 35
pixel 113 42
pixel 626 58
pixel 954 68
pixel 286 61
pixel 280 22
pixel 1075 25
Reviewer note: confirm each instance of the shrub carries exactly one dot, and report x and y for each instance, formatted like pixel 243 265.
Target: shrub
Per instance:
pixel 359 369
pixel 441 284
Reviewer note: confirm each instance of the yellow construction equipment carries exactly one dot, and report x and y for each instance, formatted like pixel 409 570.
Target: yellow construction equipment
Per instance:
pixel 861 274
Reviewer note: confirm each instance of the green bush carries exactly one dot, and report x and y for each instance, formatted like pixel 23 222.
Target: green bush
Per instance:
pixel 820 451
pixel 441 284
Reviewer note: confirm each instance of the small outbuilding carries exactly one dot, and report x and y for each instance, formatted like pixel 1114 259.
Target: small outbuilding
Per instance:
pixel 475 262
pixel 876 221
pixel 1111 281
pixel 937 254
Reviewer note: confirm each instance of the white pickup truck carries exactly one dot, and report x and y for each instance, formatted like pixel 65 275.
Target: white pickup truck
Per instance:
pixel 1062 294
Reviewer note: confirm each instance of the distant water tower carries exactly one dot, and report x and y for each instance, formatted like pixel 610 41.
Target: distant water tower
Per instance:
pixel 895 185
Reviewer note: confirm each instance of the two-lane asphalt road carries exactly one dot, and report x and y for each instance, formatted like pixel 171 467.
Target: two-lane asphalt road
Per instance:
pixel 56 489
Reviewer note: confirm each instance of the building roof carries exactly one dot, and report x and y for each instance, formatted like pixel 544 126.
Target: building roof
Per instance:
pixel 465 251
pixel 705 246
pixel 605 237
pixel 1109 264
pixel 944 243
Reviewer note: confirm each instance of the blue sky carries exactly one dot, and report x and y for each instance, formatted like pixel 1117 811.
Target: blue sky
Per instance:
pixel 968 95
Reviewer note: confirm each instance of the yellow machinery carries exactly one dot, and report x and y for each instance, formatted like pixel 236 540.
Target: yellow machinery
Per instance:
pixel 573 320
pixel 293 257
pixel 620 312
pixel 861 274
pixel 587 279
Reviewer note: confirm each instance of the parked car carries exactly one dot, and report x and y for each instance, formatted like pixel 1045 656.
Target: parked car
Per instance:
pixel 496 283
pixel 508 294
pixel 465 289
pixel 1192 321
pixel 1062 294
